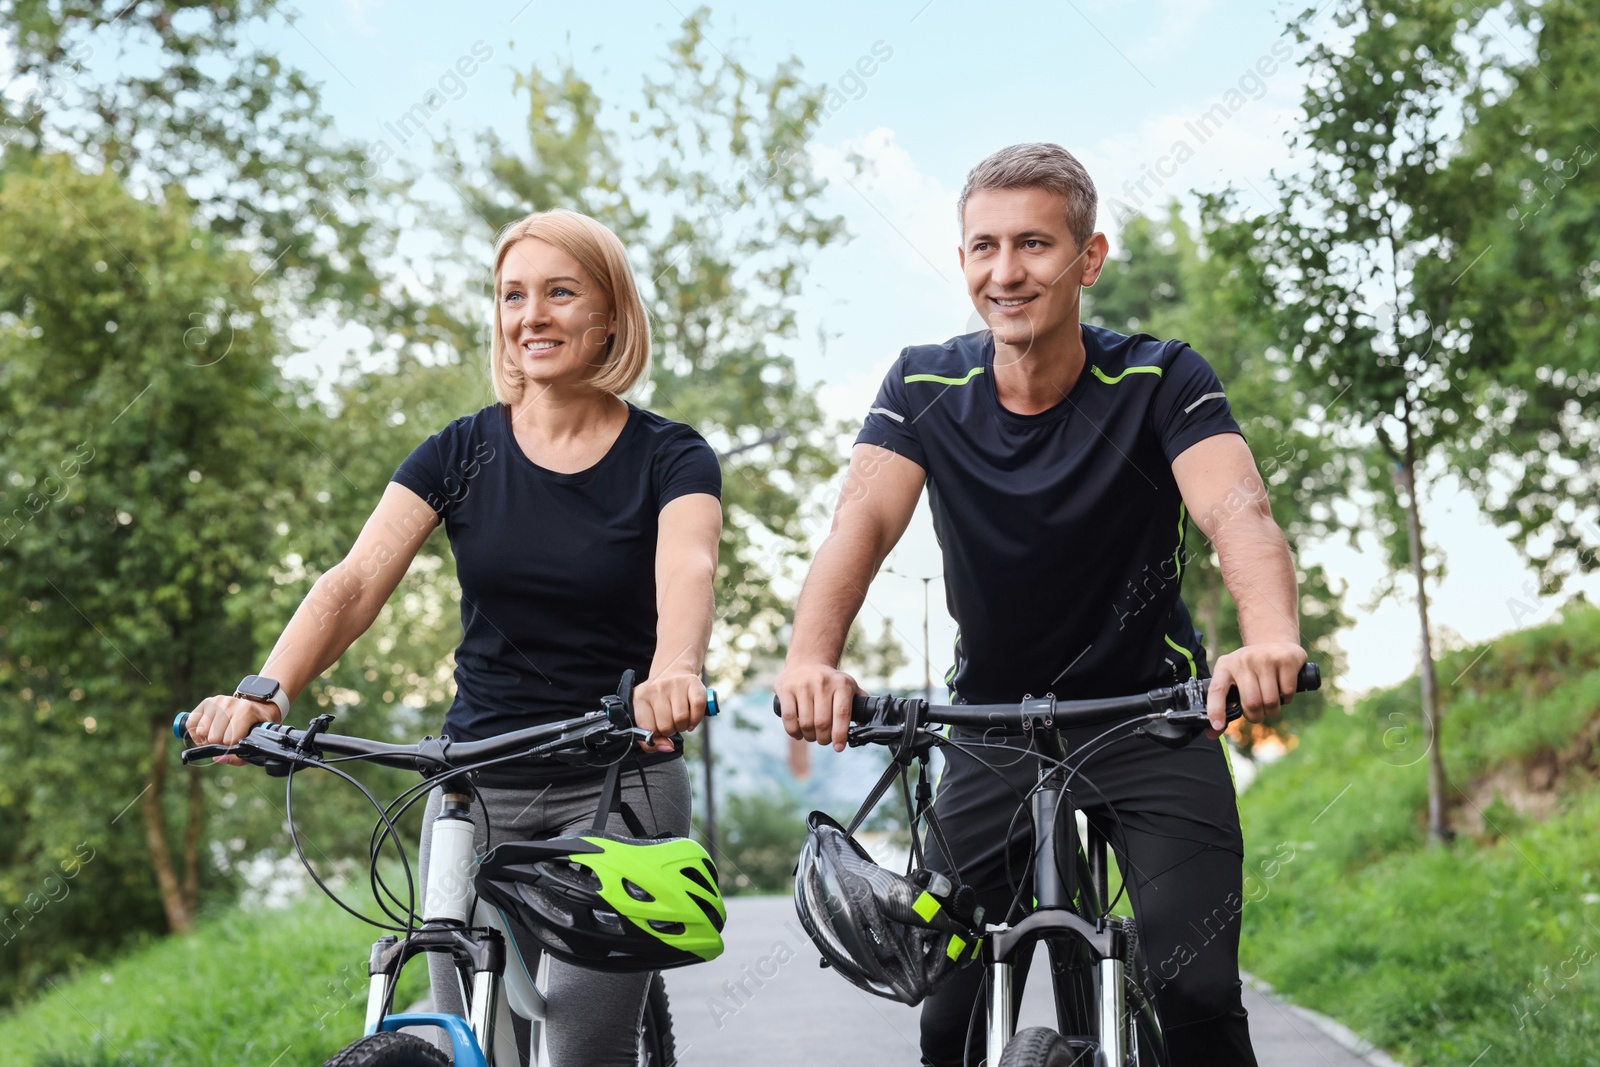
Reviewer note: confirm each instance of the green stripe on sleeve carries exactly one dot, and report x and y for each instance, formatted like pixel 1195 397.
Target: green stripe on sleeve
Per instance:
pixel 942 380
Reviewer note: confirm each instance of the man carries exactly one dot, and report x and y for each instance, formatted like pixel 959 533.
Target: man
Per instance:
pixel 1064 463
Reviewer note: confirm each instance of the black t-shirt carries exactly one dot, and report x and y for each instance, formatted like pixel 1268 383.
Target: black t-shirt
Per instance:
pixel 1062 532
pixel 557 571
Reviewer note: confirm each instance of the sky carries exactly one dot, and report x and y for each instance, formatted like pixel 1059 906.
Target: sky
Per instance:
pixel 1121 84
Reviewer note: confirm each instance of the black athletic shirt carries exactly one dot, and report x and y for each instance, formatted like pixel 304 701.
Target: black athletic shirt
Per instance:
pixel 1062 532
pixel 557 571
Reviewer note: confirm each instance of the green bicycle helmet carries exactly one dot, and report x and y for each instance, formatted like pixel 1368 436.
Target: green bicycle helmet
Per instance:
pixel 610 903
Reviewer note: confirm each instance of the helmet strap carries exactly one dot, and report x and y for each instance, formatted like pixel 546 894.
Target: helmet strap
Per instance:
pixel 611 801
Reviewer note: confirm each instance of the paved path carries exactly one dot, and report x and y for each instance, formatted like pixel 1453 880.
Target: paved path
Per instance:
pixel 766 1001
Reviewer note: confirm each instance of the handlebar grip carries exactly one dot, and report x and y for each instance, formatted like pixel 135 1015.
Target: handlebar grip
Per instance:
pixel 180 726
pixel 860 708
pixel 711 702
pixel 1310 679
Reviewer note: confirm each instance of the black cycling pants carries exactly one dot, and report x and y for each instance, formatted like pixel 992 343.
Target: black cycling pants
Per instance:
pixel 1172 821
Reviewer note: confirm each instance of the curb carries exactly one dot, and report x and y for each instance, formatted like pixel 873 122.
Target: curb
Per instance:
pixel 1342 1035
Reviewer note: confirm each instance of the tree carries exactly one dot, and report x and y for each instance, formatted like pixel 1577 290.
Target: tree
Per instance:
pixel 1359 272
pixel 144 474
pixel 1523 206
pixel 244 137
pixel 719 252
pixel 1161 280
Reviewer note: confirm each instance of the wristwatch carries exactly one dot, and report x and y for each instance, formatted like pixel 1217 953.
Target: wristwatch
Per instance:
pixel 264 691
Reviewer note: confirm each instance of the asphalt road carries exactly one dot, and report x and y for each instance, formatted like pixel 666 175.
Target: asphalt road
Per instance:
pixel 766 1001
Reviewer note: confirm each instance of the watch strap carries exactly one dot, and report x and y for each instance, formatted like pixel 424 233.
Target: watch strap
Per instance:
pixel 277 696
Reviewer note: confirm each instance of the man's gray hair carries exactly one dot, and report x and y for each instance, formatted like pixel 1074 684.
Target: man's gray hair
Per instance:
pixel 1037 166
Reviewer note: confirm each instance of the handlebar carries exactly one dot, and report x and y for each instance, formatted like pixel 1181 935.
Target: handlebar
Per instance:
pixel 279 747
pixel 1176 714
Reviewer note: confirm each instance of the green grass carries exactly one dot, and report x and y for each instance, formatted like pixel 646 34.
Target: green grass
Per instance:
pixel 281 987
pixel 1439 953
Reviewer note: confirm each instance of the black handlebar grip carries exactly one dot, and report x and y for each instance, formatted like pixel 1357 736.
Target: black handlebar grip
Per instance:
pixel 1310 679
pixel 860 708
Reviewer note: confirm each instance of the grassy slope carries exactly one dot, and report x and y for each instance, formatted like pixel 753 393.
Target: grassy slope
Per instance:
pixel 1441 953
pixel 244 988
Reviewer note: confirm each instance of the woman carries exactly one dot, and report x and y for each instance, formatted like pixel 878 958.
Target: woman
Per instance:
pixel 585 534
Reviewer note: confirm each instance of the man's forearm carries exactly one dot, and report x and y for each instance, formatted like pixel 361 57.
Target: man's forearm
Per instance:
pixel 834 591
pixel 1259 573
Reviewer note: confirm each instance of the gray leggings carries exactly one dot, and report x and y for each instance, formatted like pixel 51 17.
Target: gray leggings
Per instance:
pixel 584 1006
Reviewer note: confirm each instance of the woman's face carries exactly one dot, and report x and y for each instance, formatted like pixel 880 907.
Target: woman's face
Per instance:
pixel 554 319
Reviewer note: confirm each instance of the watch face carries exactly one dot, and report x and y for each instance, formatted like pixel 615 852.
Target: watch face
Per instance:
pixel 255 687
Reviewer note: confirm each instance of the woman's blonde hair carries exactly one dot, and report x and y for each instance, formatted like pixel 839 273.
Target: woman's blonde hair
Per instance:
pixel 602 256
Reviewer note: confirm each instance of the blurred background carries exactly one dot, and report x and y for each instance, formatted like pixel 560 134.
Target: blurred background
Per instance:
pixel 244 270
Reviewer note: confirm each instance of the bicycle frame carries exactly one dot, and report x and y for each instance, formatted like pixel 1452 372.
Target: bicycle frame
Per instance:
pixel 454 920
pixel 1054 920
pixel 478 949
pixel 1168 715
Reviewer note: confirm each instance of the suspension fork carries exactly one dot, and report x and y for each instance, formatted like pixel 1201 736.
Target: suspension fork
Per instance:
pixel 1055 879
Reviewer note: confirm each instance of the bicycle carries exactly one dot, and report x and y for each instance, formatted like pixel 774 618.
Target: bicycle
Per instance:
pixel 477 947
pixel 1105 1015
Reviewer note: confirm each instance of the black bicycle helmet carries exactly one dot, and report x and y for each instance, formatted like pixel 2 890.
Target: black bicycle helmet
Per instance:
pixel 887 933
pixel 610 903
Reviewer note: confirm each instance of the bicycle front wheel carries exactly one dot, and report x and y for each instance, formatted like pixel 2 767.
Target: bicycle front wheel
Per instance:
pixel 390 1050
pixel 1039 1046
pixel 657 1048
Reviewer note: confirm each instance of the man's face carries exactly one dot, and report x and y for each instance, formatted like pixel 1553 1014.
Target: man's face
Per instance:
pixel 1024 269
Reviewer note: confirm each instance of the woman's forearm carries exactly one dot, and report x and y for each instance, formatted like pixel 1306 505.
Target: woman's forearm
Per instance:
pixel 344 602
pixel 339 609
pixel 684 607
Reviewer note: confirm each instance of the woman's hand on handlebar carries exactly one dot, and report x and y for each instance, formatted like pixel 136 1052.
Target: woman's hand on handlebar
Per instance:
pixel 815 701
pixel 225 720
pixel 673 702
pixel 1265 675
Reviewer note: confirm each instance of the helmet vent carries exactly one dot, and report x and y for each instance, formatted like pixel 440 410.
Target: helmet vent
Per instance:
pixel 608 920
pixel 664 926
pixel 637 892
pixel 697 878
pixel 712 916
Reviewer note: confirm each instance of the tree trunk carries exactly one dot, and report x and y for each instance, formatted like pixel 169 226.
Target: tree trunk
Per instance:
pixel 179 918
pixel 191 844
pixel 1438 823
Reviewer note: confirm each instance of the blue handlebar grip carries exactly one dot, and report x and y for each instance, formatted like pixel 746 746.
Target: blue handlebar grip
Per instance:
pixel 711 702
pixel 178 724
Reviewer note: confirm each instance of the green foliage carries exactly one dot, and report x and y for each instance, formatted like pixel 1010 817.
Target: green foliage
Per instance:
pixel 244 988
pixel 1436 953
pixel 126 547
pixel 760 836
pixel 1161 281
pixel 206 114
pixel 149 455
pixel 874 660
pixel 1333 272
pixel 1523 206
pixel 720 230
